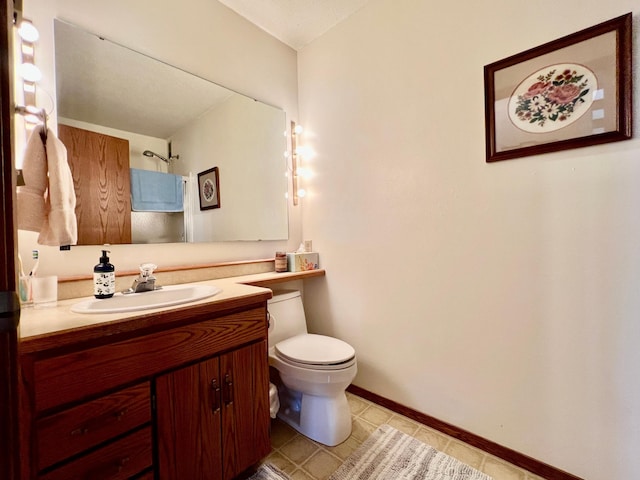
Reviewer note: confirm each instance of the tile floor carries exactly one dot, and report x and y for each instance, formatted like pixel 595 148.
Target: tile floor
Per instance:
pixel 304 459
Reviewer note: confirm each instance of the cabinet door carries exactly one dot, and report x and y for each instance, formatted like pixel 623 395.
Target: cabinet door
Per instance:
pixel 213 417
pixel 245 409
pixel 188 423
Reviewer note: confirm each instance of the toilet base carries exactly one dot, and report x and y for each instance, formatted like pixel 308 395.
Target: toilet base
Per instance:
pixel 324 419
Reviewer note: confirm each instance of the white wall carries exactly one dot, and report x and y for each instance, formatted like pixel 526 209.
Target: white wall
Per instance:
pixel 203 37
pixel 244 139
pixel 503 298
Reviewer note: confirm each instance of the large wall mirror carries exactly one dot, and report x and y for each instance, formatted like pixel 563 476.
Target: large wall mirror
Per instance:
pixel 141 132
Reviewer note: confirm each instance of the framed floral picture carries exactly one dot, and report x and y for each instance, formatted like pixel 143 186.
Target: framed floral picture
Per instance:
pixel 209 189
pixel 568 93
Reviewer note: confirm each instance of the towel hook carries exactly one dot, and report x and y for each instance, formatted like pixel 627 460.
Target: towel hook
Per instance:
pixel 40 114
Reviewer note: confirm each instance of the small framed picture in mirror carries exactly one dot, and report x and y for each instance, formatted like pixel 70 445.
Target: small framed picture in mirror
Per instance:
pixel 209 189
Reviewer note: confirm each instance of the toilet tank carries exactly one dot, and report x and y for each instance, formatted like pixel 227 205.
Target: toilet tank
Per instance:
pixel 286 316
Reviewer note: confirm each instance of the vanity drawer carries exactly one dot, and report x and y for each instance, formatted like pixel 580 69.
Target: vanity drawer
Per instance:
pixel 118 460
pixel 80 428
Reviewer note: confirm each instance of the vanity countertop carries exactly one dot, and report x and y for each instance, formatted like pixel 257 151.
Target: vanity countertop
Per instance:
pixel 54 327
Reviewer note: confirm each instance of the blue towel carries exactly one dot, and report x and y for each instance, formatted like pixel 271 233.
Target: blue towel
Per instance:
pixel 156 191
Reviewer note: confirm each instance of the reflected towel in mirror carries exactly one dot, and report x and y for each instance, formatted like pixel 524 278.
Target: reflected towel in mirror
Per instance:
pixel 156 191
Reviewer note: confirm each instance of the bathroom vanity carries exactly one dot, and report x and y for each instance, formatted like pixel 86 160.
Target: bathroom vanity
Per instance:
pixel 173 393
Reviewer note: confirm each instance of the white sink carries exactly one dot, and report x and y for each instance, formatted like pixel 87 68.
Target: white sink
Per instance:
pixel 165 297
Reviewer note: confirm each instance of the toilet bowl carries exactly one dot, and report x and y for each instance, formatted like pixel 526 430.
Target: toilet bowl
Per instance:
pixel 314 372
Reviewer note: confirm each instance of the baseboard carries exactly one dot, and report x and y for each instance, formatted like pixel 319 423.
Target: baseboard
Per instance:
pixel 523 461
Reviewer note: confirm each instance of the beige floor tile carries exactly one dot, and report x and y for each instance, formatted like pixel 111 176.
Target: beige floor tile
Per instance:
pixel 500 470
pixel 403 424
pixel 376 415
pixel 322 464
pixel 346 448
pixel 356 404
pixel 432 437
pixel 300 475
pixel 531 476
pixel 361 429
pixel 283 463
pixel 465 453
pixel 281 433
pixel 299 449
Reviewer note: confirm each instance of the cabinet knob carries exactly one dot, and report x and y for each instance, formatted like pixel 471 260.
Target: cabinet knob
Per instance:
pixel 215 396
pixel 228 390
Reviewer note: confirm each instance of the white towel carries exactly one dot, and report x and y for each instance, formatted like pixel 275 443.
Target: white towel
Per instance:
pixel 30 197
pixel 46 204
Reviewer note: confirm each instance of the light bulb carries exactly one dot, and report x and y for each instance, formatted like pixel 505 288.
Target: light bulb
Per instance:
pixel 32 119
pixel 30 73
pixel 298 129
pixel 301 192
pixel 28 32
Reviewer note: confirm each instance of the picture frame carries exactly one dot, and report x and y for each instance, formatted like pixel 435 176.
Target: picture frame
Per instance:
pixel 569 93
pixel 209 189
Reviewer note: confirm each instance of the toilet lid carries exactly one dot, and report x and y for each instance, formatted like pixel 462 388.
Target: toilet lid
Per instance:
pixel 311 349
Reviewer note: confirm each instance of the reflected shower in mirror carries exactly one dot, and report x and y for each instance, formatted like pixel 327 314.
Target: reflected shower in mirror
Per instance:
pixel 157 118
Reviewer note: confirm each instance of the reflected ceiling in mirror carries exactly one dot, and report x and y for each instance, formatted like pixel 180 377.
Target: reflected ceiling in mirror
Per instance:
pixel 110 89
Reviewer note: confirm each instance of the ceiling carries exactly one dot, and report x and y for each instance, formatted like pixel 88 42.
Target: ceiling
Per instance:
pixel 295 22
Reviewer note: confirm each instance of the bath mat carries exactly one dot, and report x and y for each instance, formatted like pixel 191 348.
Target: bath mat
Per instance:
pixel 389 454
pixel 266 471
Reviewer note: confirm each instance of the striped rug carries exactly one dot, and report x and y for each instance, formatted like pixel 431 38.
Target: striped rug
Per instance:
pixel 389 454
pixel 266 471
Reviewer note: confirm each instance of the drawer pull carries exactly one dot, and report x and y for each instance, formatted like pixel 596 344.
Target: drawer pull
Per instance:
pixel 109 470
pixel 121 464
pixel 228 390
pixel 215 396
pixel 99 422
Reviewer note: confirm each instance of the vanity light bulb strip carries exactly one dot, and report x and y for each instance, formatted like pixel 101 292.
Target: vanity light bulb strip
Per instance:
pixel 295 130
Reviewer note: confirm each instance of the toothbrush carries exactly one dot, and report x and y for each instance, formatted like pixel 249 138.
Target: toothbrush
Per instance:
pixel 35 254
pixel 23 285
pixel 20 265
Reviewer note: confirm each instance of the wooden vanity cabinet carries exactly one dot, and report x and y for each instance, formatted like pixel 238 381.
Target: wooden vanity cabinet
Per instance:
pixel 185 398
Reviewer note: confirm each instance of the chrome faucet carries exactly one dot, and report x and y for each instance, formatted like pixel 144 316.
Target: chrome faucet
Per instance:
pixel 145 282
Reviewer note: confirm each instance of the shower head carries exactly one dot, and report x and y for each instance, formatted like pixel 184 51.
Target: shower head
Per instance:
pixel 149 153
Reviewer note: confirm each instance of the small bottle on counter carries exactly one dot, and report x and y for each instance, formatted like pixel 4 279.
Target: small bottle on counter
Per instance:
pixel 104 278
pixel 281 262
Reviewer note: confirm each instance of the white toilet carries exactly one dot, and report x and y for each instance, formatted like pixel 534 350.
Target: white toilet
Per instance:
pixel 315 370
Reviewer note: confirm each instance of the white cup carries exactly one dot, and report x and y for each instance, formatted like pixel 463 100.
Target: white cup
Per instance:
pixel 45 291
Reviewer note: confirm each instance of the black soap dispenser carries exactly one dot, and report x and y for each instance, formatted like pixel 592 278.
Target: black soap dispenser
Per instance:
pixel 104 277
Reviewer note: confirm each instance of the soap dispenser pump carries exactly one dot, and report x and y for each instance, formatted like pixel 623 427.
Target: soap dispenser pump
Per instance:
pixel 104 277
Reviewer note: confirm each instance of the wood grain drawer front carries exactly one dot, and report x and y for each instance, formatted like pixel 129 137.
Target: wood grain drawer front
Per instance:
pixel 80 428
pixel 118 460
pixel 71 377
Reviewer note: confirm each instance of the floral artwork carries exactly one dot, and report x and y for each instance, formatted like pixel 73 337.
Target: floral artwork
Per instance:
pixel 552 98
pixel 567 93
pixel 209 189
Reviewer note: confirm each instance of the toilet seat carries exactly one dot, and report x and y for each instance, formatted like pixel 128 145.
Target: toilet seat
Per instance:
pixel 316 351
